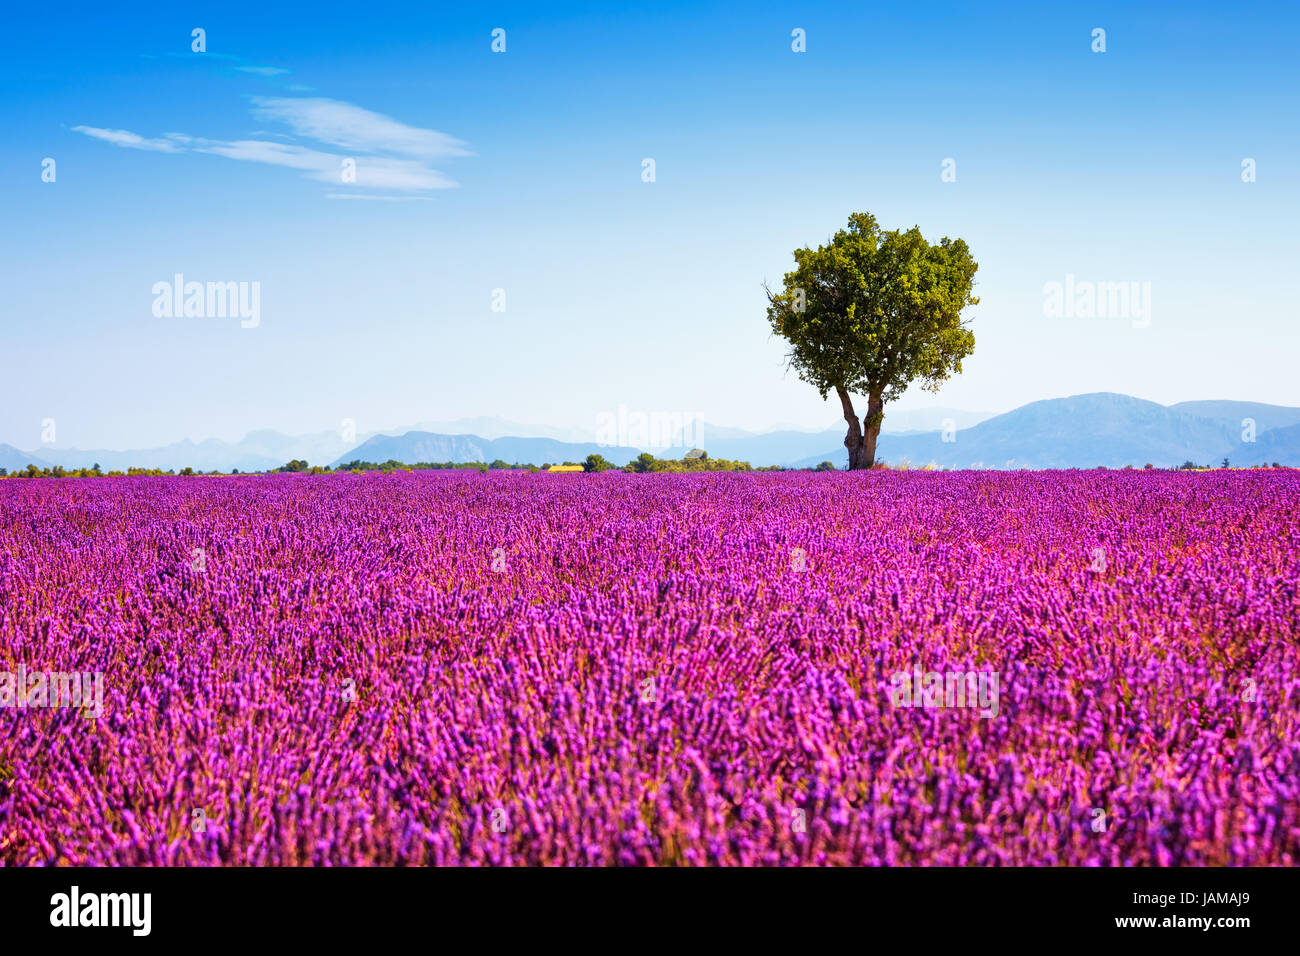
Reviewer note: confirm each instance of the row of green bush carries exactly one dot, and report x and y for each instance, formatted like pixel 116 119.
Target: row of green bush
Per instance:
pixel 644 464
pixel 647 464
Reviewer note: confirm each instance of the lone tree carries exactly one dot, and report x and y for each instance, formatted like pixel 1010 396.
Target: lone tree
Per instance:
pixel 871 312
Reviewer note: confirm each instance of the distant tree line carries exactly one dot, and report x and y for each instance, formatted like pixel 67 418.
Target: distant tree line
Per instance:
pixel 94 471
pixel 641 465
pixel 391 465
pixel 647 464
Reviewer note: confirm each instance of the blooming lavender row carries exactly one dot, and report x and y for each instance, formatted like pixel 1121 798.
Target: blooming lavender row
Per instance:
pixel 455 668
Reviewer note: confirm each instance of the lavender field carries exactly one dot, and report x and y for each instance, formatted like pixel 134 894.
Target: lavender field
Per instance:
pixel 505 668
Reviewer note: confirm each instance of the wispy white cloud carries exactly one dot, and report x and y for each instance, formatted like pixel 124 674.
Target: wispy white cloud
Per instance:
pixel 273 154
pixel 122 137
pixel 376 173
pixel 366 135
pixel 351 127
pixel 369 171
pixel 263 70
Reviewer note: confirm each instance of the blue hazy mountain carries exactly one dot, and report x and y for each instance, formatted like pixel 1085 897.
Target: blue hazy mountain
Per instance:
pixel 782 446
pixel 1236 413
pixel 13 459
pixel 257 451
pixel 1083 431
pixel 207 455
pixel 1281 445
pixel 1086 431
pixel 772 448
pixel 415 446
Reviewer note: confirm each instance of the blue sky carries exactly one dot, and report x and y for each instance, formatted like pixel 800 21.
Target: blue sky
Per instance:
pixel 522 171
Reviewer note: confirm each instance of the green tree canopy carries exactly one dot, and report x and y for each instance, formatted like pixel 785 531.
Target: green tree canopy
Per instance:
pixel 870 313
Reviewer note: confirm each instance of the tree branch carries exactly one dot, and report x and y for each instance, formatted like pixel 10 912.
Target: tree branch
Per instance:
pixel 850 416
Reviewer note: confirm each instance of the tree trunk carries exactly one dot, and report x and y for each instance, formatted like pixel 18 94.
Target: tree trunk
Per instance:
pixel 871 426
pixel 854 440
pixel 861 439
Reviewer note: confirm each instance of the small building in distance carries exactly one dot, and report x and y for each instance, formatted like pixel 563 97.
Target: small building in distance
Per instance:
pixel 698 454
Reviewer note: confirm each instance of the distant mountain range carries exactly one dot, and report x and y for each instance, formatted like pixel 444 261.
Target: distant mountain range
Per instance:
pixel 1103 428
pixel 427 446
pixel 260 450
pixel 264 449
pixel 1083 431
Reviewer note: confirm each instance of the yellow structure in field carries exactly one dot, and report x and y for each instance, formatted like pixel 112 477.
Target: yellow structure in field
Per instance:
pixel 554 468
